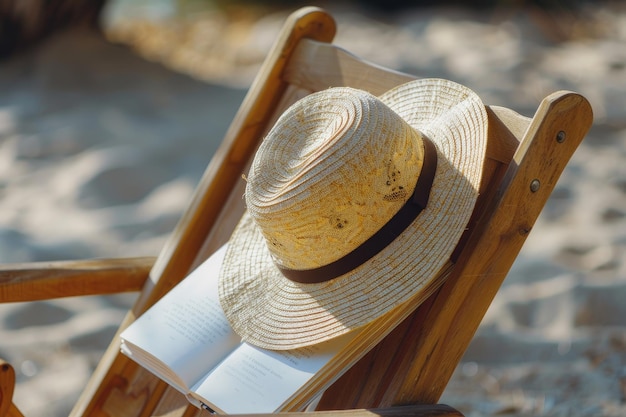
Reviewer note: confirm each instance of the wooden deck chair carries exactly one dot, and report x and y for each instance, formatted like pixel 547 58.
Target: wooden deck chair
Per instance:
pixel 408 371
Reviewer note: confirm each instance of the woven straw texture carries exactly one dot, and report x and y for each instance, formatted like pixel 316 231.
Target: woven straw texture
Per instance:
pixel 335 168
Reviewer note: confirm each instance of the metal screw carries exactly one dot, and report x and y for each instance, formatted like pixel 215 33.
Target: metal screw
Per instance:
pixel 534 185
pixel 560 137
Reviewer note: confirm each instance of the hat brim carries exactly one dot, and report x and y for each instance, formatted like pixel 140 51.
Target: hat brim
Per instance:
pixel 270 311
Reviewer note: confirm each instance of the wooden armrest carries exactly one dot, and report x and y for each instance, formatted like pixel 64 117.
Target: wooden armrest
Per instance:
pixel 7 386
pixel 46 280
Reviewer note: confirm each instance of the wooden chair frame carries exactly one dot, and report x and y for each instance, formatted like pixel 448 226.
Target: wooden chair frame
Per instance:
pixel 407 372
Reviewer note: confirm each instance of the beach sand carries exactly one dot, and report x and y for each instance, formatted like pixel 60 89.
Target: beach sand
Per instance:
pixel 101 146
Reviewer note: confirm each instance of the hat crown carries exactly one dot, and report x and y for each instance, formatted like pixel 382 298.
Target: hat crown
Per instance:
pixel 335 168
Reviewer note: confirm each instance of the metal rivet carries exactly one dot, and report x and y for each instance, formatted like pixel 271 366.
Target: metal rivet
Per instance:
pixel 560 137
pixel 534 186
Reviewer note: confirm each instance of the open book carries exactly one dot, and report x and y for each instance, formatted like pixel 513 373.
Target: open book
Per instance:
pixel 186 340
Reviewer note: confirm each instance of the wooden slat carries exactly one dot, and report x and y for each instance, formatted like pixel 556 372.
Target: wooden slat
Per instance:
pixel 45 280
pixel 512 121
pixel 317 66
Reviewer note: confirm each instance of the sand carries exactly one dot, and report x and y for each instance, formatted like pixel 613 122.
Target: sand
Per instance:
pixel 101 147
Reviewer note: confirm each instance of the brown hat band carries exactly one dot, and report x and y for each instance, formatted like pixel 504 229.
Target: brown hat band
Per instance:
pixel 384 236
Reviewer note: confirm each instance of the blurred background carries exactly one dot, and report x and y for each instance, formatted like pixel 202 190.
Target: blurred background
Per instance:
pixel 111 110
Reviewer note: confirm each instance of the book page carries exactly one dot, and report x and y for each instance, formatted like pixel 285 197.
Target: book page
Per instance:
pixel 186 329
pixel 254 380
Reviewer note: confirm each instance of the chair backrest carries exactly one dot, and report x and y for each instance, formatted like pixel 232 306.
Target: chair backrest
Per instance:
pixel 414 363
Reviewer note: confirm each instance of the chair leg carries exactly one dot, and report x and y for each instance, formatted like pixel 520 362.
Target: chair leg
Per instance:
pixel 7 385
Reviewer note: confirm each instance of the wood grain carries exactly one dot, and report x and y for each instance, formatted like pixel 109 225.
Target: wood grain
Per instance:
pixel 7 386
pixel 45 280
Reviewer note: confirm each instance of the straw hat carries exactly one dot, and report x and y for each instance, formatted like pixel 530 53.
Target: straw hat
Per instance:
pixel 339 167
